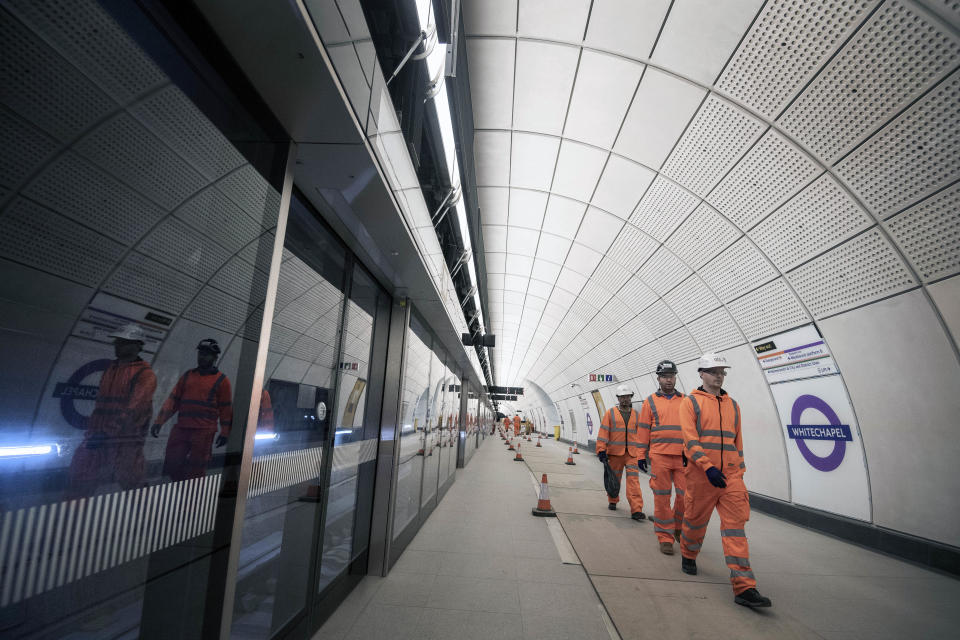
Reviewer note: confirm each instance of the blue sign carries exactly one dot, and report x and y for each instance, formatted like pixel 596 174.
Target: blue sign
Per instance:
pixel 839 433
pixel 589 424
pixel 73 390
pixel 820 432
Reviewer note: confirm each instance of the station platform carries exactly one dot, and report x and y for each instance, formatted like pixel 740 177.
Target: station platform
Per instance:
pixel 483 567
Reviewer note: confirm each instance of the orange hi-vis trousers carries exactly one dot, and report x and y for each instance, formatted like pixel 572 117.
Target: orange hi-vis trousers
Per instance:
pixel 666 471
pixel 634 497
pixel 733 505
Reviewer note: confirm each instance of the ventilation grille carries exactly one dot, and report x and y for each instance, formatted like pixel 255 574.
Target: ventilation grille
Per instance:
pixel 859 271
pixel 768 310
pixel 84 34
pixel 43 87
pixel 929 234
pixel 24 149
pixel 704 234
pixel 896 55
pixel 679 345
pixel 820 216
pixel 918 153
pixel 663 208
pixel 659 318
pixel 717 137
pixel 632 248
pixel 178 122
pixel 39 238
pixel 787 44
pixel 125 149
pixel 737 270
pixel 691 298
pixel 150 283
pixel 772 171
pixel 715 331
pixel 663 271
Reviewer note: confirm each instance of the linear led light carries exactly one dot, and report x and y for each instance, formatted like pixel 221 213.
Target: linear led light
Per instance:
pixel 267 436
pixel 29 450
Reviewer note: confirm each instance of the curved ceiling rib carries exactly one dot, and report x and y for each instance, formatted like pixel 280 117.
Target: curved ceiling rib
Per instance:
pixel 666 178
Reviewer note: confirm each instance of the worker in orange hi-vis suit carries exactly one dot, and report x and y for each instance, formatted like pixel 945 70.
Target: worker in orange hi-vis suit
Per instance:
pixel 265 419
pixel 710 423
pixel 516 425
pixel 201 398
pixel 622 442
pixel 661 414
pixel 112 446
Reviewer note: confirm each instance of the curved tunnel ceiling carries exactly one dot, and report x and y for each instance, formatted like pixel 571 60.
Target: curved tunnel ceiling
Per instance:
pixel 658 179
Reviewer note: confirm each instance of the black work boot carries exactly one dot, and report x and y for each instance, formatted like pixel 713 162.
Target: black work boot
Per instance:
pixel 612 506
pixel 688 566
pixel 752 598
pixel 638 516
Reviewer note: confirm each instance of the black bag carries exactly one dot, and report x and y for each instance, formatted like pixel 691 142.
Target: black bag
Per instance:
pixel 611 480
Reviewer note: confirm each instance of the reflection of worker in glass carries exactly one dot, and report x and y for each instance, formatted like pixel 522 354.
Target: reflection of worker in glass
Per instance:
pixel 265 421
pixel 112 446
pixel 200 398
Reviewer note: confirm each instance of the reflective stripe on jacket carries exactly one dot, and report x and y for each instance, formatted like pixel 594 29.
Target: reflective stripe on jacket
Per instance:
pixel 124 400
pixel 199 399
pixel 662 416
pixel 614 434
pixel 711 432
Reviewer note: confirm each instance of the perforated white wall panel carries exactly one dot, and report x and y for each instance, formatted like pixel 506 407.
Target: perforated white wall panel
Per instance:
pixel 737 270
pixel 786 45
pixel 702 236
pixel 770 309
pixel 820 216
pixel 929 234
pixel 632 248
pixel 861 270
pixel 715 331
pixel 148 282
pixel 911 157
pixel 25 149
pixel 659 318
pixel 714 141
pixel 679 345
pixel 663 207
pixel 867 81
pixel 663 271
pixel 691 299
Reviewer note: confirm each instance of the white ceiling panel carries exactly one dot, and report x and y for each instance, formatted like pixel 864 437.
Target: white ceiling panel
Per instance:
pixel 545 74
pixel 532 160
pixel 563 216
pixel 513 300
pixel 663 271
pixel 490 17
pixel 553 248
pixel 663 207
pixel 929 234
pixel 578 169
pixel 627 27
pixel 494 237
pixel 538 290
pixel 491 82
pixel 632 248
pixel 515 283
pixel 610 274
pixel 544 270
pixel 716 331
pixel 768 310
pixel 496 262
pixel 661 110
pixel 700 35
pixel 519 264
pixel 522 241
pixel 527 208
pixel 598 229
pixel 601 95
pixel 737 270
pixel 702 236
pixel 491 149
pixel 493 204
pixel 583 259
pixel 691 299
pixel 621 185
pixel 571 281
pixel 562 298
pixel 553 19
pixel 495 281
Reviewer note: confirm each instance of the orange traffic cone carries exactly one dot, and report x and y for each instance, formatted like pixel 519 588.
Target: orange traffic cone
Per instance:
pixel 538 441
pixel 543 508
pixel 519 456
pixel 570 457
pixel 510 448
pixel 576 452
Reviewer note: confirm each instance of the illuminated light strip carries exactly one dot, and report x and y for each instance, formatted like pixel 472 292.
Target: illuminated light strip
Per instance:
pixel 29 450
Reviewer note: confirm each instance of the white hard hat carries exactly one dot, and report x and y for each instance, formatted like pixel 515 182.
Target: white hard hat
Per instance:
pixel 711 360
pixel 624 390
pixel 129 332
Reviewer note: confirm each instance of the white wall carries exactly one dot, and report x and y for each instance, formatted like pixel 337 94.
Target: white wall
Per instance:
pixel 903 379
pixel 946 295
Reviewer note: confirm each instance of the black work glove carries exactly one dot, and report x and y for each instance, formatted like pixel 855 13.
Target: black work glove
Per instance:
pixel 716 478
pixel 643 464
pixel 603 456
pixel 221 440
pixel 683 456
pixel 155 430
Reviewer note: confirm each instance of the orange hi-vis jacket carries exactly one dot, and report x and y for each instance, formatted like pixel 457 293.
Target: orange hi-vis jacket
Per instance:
pixel 711 432
pixel 661 415
pixel 200 398
pixel 265 418
pixel 124 401
pixel 617 438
